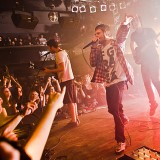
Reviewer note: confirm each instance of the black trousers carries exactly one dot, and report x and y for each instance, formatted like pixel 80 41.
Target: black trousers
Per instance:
pixel 114 95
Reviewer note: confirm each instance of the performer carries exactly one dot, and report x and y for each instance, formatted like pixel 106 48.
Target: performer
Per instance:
pixel 112 69
pixel 146 55
pixel 66 78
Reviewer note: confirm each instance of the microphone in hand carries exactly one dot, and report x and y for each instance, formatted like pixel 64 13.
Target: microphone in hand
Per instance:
pixel 89 44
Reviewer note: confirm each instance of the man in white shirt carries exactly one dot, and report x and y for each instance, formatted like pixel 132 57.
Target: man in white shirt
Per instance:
pixel 66 78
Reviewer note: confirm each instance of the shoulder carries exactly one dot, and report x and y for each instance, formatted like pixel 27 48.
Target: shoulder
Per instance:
pixel 62 52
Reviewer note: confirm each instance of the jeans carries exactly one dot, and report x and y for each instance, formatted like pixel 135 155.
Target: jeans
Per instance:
pixel 114 95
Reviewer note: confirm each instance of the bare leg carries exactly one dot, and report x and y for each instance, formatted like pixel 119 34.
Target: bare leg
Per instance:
pixel 73 111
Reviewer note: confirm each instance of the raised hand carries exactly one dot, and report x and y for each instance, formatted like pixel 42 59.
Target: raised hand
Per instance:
pixel 127 20
pixel 56 99
pixel 10 135
pixel 29 108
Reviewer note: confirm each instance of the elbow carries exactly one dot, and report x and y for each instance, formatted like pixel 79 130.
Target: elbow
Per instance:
pixel 92 64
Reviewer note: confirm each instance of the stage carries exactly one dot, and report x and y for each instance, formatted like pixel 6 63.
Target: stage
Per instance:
pixel 93 139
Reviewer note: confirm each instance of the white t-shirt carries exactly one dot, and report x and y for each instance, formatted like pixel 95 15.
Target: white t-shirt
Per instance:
pixel 113 69
pixel 67 74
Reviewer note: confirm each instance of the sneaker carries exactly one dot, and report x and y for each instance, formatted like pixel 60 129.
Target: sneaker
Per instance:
pixel 153 109
pixel 120 147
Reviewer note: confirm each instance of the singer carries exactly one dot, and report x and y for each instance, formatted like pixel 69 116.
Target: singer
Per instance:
pixel 112 70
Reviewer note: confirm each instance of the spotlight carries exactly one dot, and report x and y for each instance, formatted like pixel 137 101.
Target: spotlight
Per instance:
pixel 112 7
pixel 53 16
pixel 92 9
pixel 82 8
pixel 103 7
pixel 122 5
pixel 74 8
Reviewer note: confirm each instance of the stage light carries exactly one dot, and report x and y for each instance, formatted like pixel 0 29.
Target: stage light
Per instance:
pixel 112 7
pixel 75 8
pixel 103 7
pixel 53 16
pixel 122 5
pixel 92 9
pixel 82 8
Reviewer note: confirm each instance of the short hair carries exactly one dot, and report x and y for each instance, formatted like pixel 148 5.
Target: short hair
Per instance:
pixel 52 43
pixel 103 27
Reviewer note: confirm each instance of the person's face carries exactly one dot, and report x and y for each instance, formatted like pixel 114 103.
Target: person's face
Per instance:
pixel 99 34
pixel 7 92
pixel 19 91
pixel 34 95
pixel 52 89
pixel 52 49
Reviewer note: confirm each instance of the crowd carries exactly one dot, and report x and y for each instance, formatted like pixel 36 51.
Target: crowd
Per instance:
pixel 26 39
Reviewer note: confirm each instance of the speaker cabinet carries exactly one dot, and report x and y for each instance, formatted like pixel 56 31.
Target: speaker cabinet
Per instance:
pixel 69 22
pixel 24 21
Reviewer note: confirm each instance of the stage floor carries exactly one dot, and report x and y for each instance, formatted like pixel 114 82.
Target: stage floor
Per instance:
pixel 93 139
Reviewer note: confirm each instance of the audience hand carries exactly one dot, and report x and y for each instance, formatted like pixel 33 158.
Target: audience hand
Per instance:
pixel 10 135
pixel 29 108
pixel 56 98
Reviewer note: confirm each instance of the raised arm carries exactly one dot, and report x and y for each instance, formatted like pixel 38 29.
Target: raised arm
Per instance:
pixel 40 135
pixel 123 31
pixel 48 83
pixel 57 84
pixel 16 82
pixel 11 122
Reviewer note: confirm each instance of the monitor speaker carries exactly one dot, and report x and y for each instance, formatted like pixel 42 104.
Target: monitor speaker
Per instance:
pixel 24 21
pixel 68 22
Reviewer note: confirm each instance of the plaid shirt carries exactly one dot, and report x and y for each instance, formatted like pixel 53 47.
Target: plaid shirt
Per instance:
pixel 96 58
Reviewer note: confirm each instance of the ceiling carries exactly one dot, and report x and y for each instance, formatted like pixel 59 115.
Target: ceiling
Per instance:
pixel 30 5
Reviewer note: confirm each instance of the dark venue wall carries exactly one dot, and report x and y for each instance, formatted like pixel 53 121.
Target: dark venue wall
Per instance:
pixel 75 29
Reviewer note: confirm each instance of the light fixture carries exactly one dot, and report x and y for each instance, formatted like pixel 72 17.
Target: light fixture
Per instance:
pixel 82 8
pixel 103 7
pixel 122 5
pixel 92 9
pixel 112 7
pixel 53 16
pixel 75 8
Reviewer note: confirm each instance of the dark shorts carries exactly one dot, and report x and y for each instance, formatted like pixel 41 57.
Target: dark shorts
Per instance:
pixel 70 95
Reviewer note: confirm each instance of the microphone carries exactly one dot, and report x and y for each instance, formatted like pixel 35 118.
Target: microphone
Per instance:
pixel 45 54
pixel 89 44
